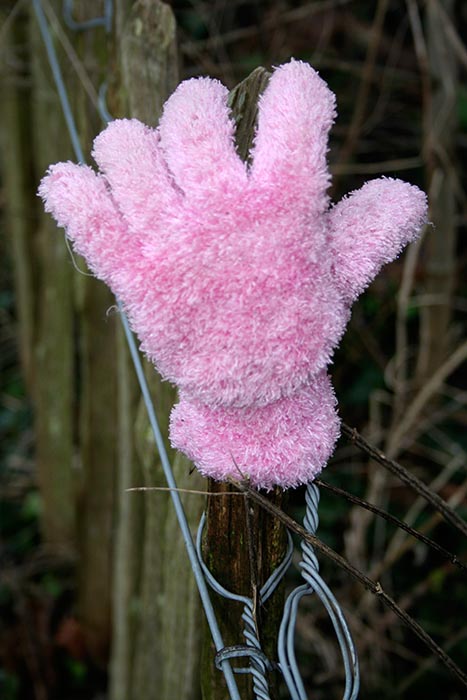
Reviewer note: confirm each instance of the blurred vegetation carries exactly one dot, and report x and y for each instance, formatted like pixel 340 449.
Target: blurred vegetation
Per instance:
pixel 398 68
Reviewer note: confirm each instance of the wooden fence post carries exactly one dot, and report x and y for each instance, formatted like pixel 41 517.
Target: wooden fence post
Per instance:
pixel 52 349
pixel 225 546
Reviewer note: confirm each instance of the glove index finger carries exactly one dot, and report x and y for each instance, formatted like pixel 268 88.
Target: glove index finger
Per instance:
pixel 128 154
pixel 296 112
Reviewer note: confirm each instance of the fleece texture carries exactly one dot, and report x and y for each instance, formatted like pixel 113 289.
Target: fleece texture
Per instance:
pixel 273 444
pixel 238 281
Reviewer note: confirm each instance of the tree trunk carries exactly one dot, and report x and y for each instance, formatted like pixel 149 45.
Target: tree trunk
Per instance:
pixel 18 184
pixel 441 128
pixel 53 352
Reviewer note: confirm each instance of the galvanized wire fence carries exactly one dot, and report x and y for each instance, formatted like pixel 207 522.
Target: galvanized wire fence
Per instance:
pixel 259 665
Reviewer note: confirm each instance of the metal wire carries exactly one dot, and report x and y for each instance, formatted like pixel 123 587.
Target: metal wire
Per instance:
pixel 104 21
pixel 314 583
pixel 102 103
pixel 58 79
pixel 260 664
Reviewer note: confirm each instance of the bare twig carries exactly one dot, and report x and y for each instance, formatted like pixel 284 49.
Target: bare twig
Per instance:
pixel 427 392
pixel 363 94
pixel 427 664
pixel 295 15
pixel 395 551
pixel 401 370
pixel 417 506
pixel 421 52
pixel 373 586
pixel 192 491
pixel 393 520
pixel 17 7
pixel 404 475
pixel 452 34
pixel 386 166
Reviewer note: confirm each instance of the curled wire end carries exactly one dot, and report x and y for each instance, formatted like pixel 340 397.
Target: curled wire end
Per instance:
pixel 238 651
pixel 104 21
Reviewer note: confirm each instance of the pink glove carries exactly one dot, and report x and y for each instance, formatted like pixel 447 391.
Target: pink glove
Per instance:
pixel 238 282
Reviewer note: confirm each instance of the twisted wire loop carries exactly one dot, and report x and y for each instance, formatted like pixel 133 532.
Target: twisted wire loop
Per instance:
pixel 104 21
pixel 314 584
pixel 259 663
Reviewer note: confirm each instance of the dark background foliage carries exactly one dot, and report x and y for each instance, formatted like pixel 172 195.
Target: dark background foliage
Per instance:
pixel 399 76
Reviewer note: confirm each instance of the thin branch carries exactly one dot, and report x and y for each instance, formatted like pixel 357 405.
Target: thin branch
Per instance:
pixel 393 520
pixel 404 475
pixel 399 544
pixel 373 586
pixel 453 36
pixel 295 15
pixel 192 491
pixel 396 551
pixel 72 56
pixel 403 299
pixel 361 100
pixel 427 391
pixel 425 666
pixel 386 166
pixel 6 26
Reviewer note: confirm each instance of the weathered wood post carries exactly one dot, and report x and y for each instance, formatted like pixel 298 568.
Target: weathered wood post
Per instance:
pixel 51 279
pixel 242 544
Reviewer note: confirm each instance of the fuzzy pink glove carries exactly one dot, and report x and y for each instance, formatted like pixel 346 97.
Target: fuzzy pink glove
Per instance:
pixel 237 281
